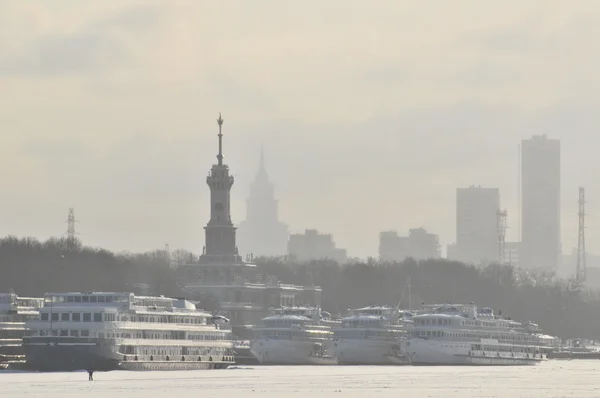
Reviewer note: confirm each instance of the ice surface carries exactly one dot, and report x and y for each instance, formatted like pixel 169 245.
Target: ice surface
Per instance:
pixel 554 379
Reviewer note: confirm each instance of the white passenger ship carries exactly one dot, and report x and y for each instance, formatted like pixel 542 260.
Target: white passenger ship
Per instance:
pixel 462 334
pixel 109 331
pixel 294 336
pixel 372 336
pixel 14 312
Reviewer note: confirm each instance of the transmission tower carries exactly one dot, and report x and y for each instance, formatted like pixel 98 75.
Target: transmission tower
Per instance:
pixel 168 254
pixel 71 229
pixel 581 272
pixel 501 230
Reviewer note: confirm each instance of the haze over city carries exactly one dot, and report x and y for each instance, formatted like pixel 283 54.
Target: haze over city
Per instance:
pixel 370 117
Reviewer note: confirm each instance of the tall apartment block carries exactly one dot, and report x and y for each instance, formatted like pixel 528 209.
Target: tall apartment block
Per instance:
pixel 540 190
pixel 476 224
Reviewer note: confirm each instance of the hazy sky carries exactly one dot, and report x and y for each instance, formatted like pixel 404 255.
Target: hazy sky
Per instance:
pixel 371 112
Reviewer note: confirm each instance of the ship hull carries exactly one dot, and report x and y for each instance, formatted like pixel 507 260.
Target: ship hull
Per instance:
pixel 451 353
pixel 100 355
pixel 288 352
pixel 368 352
pixel 243 356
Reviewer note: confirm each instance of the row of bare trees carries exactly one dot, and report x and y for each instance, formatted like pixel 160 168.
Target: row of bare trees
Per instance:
pixel 560 307
pixel 31 267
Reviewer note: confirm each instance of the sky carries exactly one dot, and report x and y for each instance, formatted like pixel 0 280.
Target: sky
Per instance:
pixel 371 113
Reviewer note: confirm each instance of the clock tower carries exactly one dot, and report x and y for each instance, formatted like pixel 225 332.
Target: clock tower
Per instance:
pixel 220 232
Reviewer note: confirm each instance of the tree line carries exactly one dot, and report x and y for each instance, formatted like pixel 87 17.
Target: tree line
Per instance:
pixel 561 307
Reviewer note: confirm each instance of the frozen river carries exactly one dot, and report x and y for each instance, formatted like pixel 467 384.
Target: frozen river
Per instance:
pixel 551 379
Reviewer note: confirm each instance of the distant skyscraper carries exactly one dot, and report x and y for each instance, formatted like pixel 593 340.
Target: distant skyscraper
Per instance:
pixel 262 234
pixel 540 187
pixel 476 224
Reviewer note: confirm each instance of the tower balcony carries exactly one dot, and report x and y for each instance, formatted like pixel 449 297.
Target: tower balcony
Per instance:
pixel 219 182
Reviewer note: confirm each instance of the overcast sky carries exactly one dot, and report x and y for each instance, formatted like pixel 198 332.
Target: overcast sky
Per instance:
pixel 371 112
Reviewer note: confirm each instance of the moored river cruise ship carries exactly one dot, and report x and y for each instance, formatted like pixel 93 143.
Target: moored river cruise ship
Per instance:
pixel 462 334
pixel 110 331
pixel 14 312
pixel 372 336
pixel 294 336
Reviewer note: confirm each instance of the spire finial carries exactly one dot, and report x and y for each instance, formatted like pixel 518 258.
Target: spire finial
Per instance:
pixel 220 155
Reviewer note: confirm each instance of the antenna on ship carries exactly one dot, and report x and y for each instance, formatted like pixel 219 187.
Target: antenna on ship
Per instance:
pixel 406 288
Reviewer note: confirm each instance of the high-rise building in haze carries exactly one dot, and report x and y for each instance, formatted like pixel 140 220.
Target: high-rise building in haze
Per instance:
pixel 314 246
pixel 262 234
pixel 540 190
pixel 476 224
pixel 419 244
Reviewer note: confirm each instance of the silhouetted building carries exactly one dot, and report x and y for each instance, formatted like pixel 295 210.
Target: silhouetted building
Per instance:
pixel 419 244
pixel 232 287
pixel 476 224
pixel 314 246
pixel 422 244
pixel 392 248
pixel 540 180
pixel 262 234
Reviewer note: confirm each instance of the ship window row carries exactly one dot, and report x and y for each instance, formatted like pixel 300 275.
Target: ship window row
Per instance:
pixel 18 317
pixel 453 335
pixel 144 334
pixel 173 352
pixel 361 334
pixel 479 347
pixel 85 298
pixel 433 321
pixel 443 322
pixel 287 335
pixel 112 317
pixel 73 316
pixel 58 333
pixel 11 333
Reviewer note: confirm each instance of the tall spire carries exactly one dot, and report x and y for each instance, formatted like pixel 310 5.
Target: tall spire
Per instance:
pixel 261 164
pixel 220 155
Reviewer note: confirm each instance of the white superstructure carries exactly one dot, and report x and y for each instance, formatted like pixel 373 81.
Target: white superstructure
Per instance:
pixel 14 312
pixel 372 336
pixel 106 331
pixel 462 334
pixel 293 336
